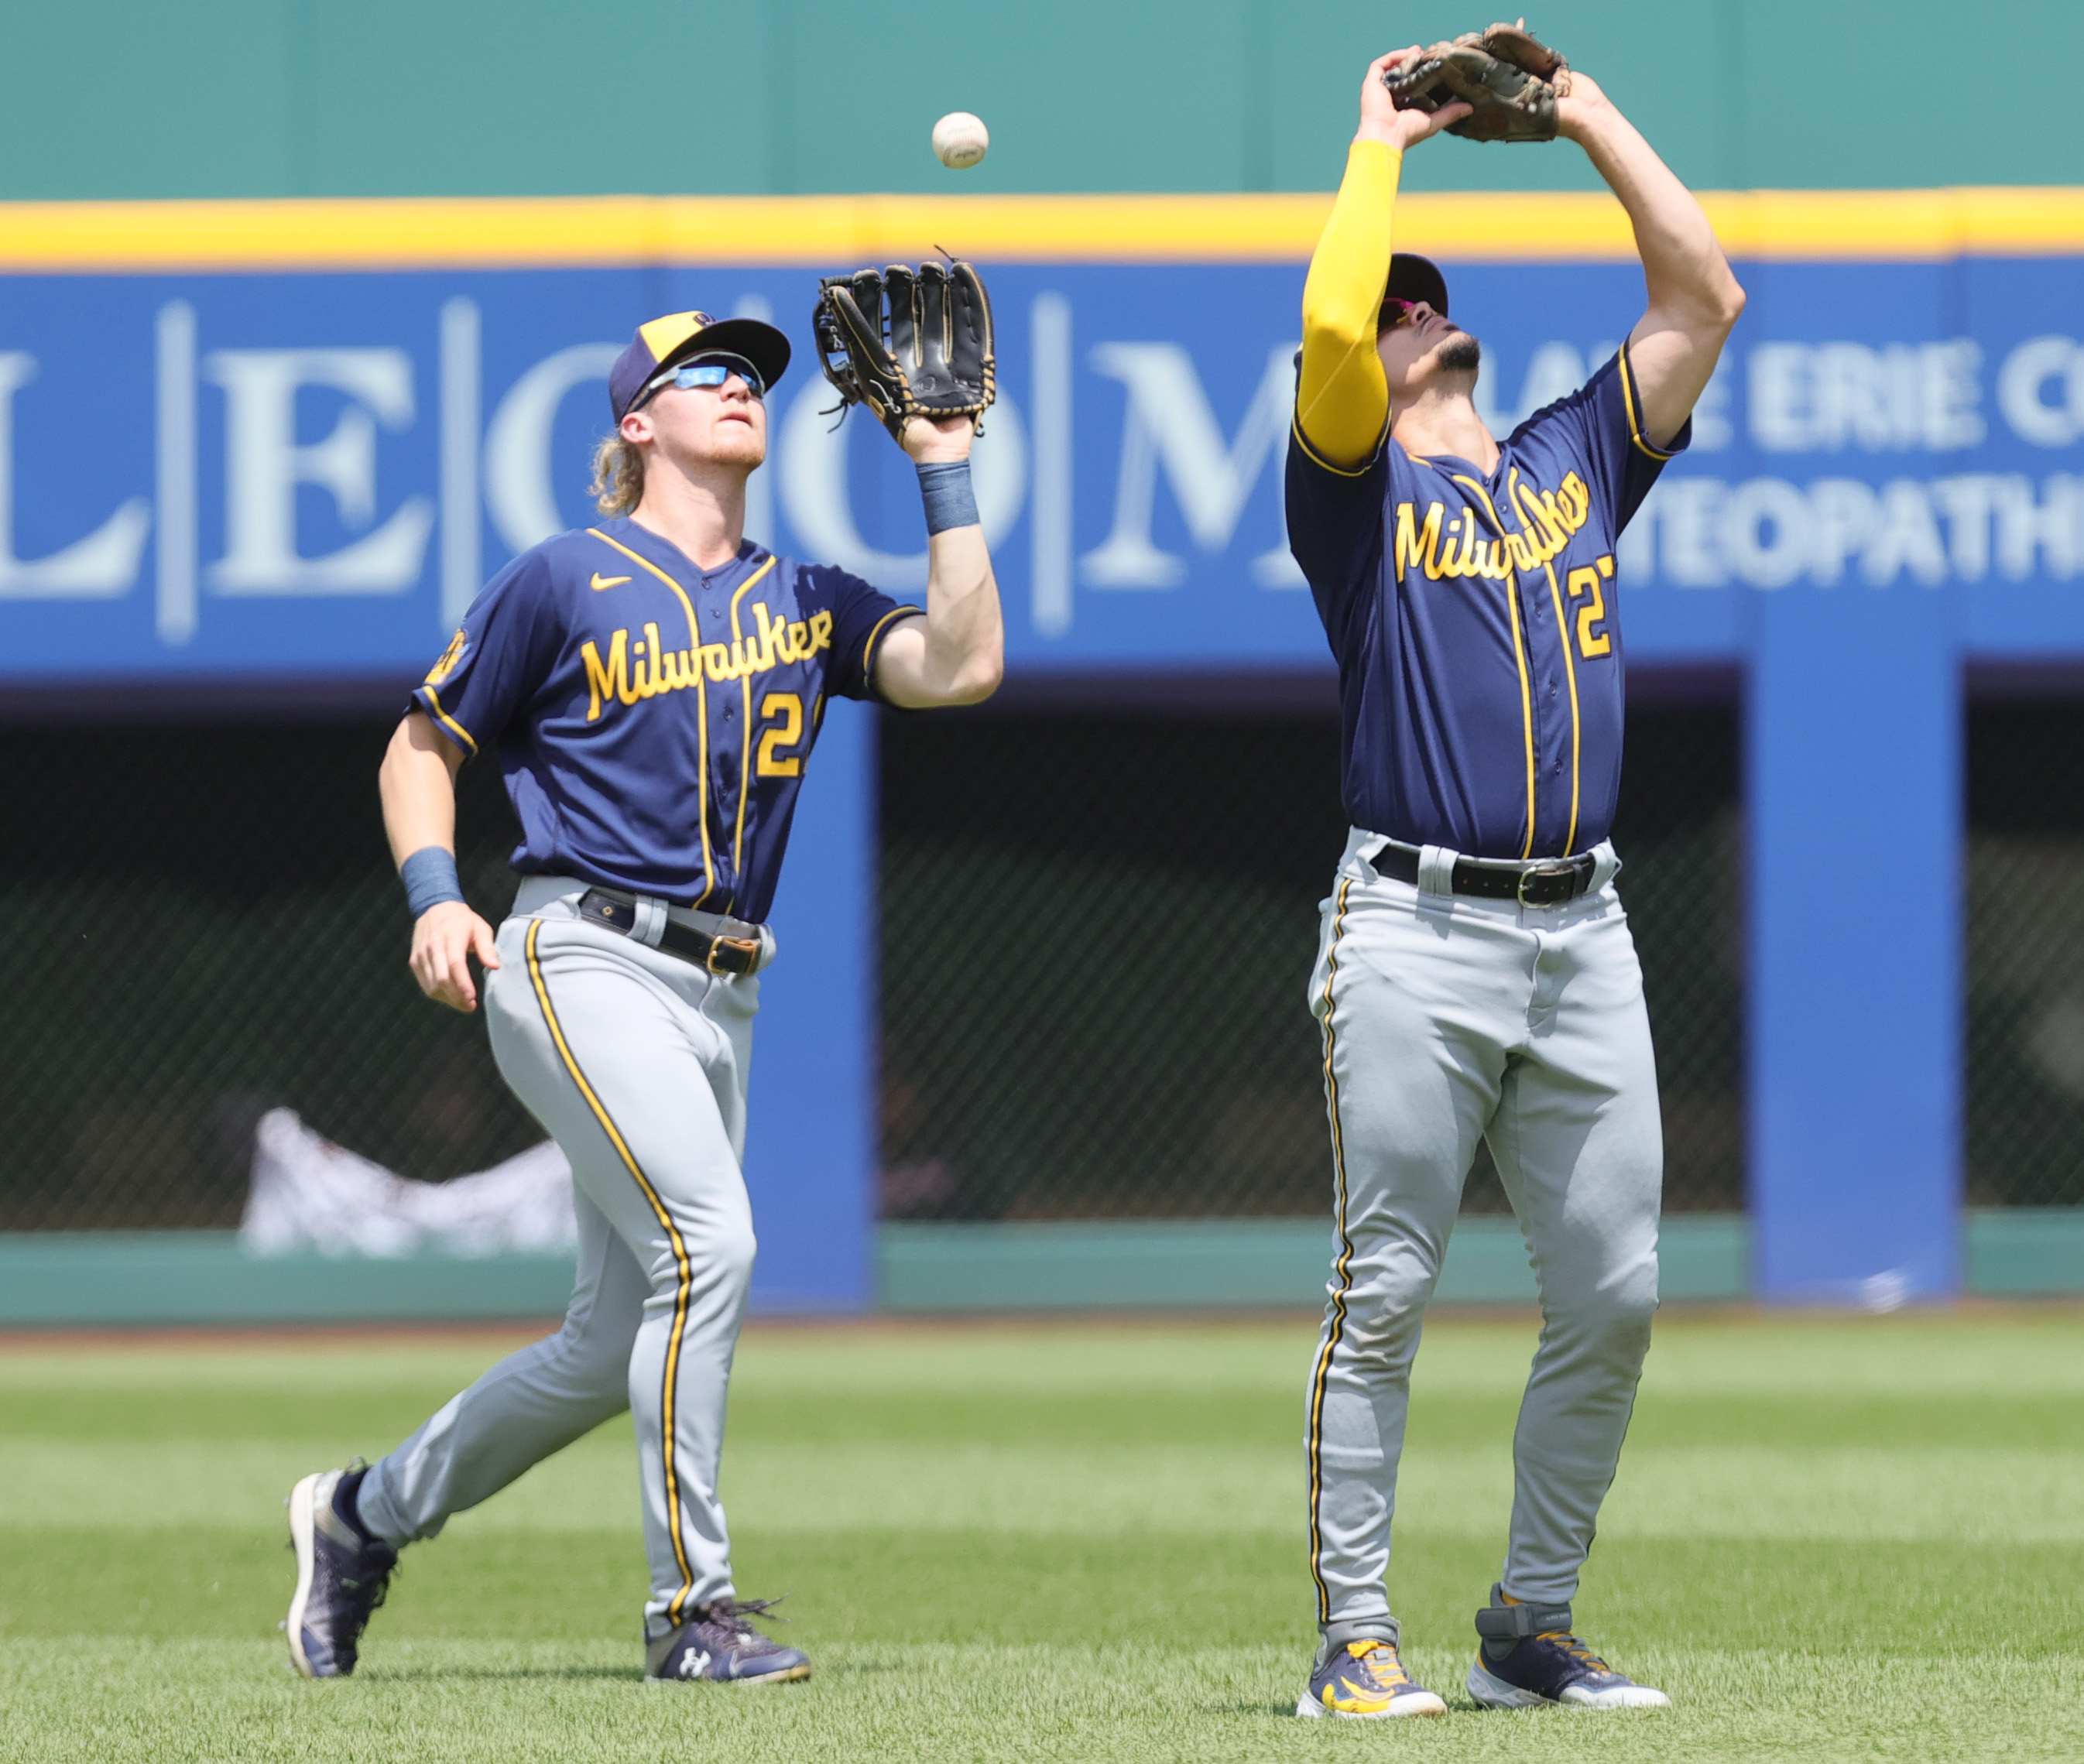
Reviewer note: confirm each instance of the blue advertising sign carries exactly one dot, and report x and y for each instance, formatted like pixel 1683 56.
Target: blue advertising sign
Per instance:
pixel 312 473
pixel 227 471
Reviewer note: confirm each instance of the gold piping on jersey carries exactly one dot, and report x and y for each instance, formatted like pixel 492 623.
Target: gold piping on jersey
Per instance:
pixel 684 1284
pixel 1548 518
pixel 1317 459
pixel 1341 1272
pixel 1518 654
pixel 1490 507
pixel 449 722
pixel 1570 674
pixel 1561 513
pixel 1629 403
pixel 702 712
pixel 1525 712
pixel 745 750
pixel 1570 666
pixel 687 606
pixel 875 635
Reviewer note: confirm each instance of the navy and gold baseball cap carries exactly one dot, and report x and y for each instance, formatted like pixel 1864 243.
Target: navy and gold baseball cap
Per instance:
pixel 678 335
pixel 1414 277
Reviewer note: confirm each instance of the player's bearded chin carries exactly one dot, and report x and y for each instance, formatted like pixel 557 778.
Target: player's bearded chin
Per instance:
pixel 737 443
pixel 1461 353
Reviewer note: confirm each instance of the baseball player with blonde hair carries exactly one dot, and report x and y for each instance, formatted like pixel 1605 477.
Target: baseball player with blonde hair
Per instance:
pixel 656 684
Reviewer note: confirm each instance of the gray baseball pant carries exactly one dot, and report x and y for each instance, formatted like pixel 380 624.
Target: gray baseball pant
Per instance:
pixel 1445 1019
pixel 636 1062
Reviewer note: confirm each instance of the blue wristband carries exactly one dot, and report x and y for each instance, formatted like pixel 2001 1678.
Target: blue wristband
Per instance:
pixel 429 877
pixel 950 501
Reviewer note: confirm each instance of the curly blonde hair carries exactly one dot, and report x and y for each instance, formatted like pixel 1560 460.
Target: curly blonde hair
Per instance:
pixel 618 476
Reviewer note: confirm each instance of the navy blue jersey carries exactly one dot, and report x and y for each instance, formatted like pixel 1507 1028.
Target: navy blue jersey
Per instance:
pixel 1476 626
pixel 654 720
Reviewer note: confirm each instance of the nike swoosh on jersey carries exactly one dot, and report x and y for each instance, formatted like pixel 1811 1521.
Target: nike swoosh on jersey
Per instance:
pixel 600 581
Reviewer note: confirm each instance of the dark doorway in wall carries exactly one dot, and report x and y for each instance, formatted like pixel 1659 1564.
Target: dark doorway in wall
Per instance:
pixel 2025 938
pixel 1098 930
pixel 206 923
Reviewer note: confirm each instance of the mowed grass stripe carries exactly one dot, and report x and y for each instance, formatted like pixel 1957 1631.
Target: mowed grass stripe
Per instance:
pixel 2025 1351
pixel 1934 1494
pixel 854 1589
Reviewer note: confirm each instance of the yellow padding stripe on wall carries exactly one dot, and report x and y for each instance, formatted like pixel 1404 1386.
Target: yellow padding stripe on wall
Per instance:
pixel 1484 226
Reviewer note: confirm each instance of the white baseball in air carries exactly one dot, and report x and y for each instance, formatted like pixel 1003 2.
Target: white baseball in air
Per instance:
pixel 960 140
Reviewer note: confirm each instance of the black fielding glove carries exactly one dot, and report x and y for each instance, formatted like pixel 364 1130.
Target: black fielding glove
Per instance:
pixel 908 342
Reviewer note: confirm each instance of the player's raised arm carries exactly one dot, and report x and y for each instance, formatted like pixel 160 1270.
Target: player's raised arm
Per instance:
pixel 1342 401
pixel 956 654
pixel 917 347
pixel 1694 298
pixel 417 781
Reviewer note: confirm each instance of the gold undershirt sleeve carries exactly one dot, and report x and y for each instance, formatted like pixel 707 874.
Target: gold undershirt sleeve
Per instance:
pixel 1342 400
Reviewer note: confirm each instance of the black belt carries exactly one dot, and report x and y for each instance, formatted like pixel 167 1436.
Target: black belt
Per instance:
pixel 719 955
pixel 1546 881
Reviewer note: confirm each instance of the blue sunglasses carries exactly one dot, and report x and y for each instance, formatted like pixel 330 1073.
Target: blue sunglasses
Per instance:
pixel 710 371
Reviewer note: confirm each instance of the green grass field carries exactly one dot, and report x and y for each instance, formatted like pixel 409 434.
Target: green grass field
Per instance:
pixel 1830 1539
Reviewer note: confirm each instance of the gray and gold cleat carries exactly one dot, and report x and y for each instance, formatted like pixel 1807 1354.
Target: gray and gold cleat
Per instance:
pixel 1364 1680
pixel 1528 1657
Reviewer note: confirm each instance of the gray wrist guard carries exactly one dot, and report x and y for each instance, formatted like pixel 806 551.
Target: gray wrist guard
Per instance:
pixel 429 877
pixel 944 485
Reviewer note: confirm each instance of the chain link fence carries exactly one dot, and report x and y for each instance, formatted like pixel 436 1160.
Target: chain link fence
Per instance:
pixel 1097 931
pixel 2025 954
pixel 207 924
pixel 1097 937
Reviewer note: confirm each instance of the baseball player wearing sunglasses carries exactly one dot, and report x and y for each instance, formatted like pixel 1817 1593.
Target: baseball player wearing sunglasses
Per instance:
pixel 656 683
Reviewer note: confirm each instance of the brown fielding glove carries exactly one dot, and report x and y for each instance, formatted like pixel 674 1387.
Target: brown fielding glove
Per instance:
pixel 908 342
pixel 1510 81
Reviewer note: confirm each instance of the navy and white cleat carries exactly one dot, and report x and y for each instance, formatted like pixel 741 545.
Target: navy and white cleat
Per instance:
pixel 341 1577
pixel 1365 1681
pixel 720 1643
pixel 1529 1659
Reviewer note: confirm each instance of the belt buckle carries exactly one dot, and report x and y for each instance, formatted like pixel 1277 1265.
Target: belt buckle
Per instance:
pixel 748 949
pixel 1554 867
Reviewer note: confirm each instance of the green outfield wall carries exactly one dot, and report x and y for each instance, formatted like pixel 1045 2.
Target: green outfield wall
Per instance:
pixel 269 98
pixel 117 1279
